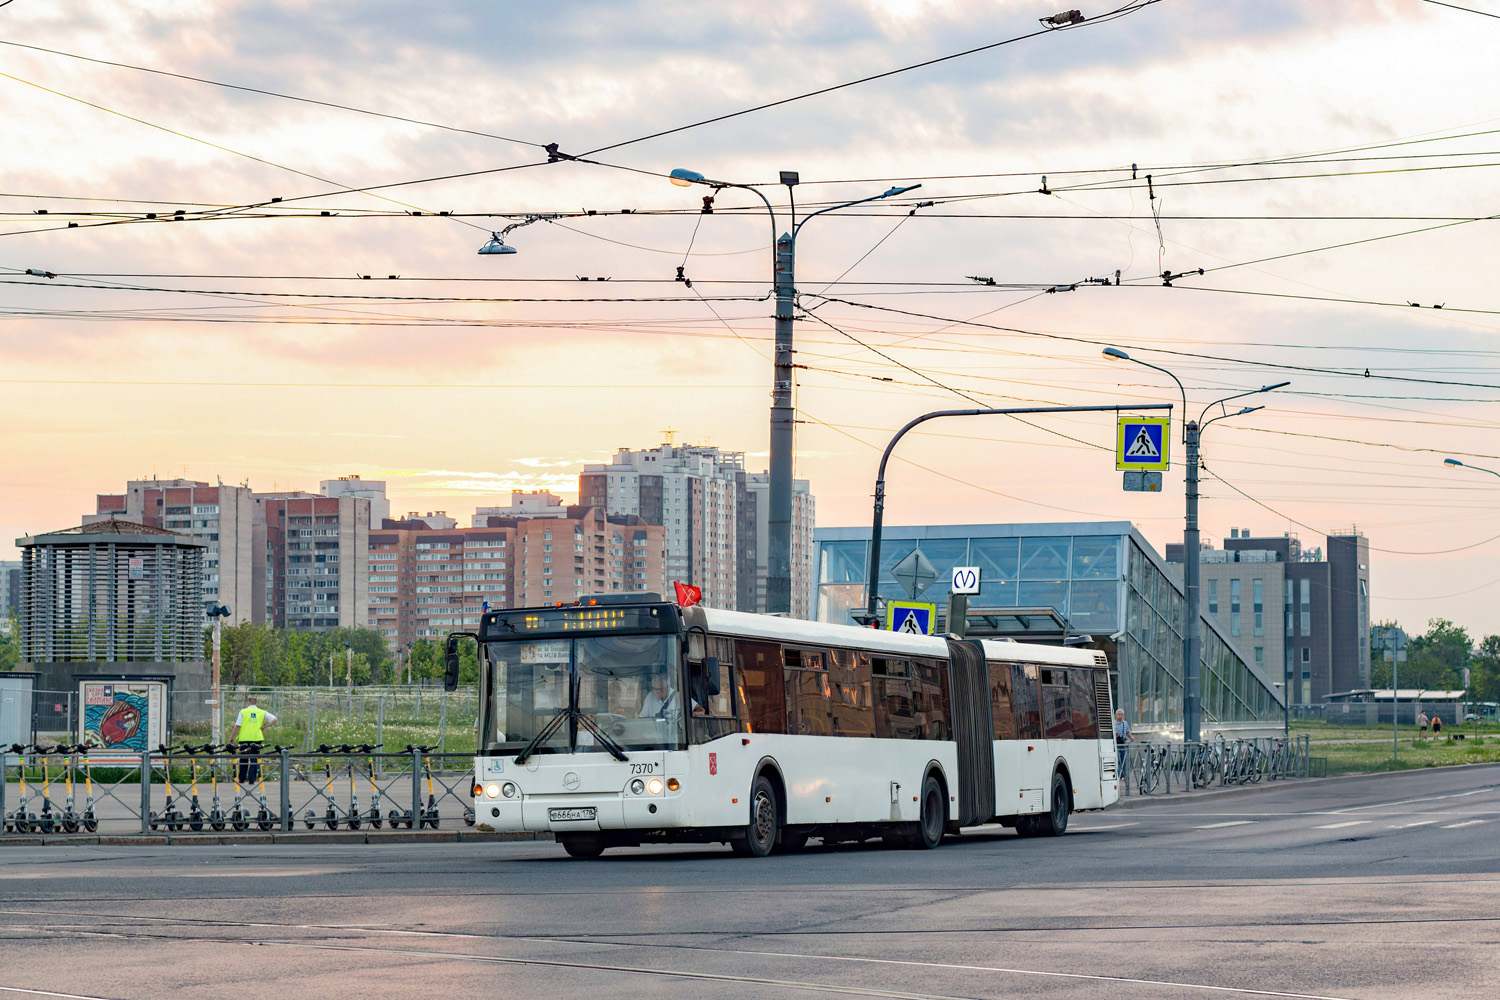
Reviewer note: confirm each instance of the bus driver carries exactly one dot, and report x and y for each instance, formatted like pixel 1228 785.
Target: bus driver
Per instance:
pixel 661 702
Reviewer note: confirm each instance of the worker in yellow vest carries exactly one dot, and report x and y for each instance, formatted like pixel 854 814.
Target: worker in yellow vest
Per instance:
pixel 249 732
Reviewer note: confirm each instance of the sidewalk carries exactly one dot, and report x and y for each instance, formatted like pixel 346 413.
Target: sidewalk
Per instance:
pixel 465 835
pixel 1219 791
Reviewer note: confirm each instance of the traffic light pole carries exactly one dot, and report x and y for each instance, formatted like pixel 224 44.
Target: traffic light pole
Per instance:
pixel 871 615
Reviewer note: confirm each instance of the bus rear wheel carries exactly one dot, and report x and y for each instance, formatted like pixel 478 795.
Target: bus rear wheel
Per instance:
pixel 934 817
pixel 1054 822
pixel 582 845
pixel 759 838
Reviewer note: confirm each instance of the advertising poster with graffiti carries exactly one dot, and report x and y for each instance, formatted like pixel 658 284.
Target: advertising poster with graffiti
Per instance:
pixel 125 716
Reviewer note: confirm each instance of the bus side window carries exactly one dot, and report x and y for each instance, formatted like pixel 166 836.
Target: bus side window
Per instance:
pixel 1000 706
pixel 849 677
pixel 930 686
pixel 807 703
pixel 1083 703
pixel 1057 722
pixel 762 698
pixel 1025 701
pixel 895 715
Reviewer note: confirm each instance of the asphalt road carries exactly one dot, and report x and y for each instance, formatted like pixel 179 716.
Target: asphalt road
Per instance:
pixel 1350 888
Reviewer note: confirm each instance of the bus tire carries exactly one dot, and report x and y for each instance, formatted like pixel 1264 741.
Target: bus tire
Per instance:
pixel 933 817
pixel 760 836
pixel 582 845
pixel 1054 822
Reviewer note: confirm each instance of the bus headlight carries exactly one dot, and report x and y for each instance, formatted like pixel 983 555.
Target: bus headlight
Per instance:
pixel 654 785
pixel 509 790
pixel 492 790
pixel 637 787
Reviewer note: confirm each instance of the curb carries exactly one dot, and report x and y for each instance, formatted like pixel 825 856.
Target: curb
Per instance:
pixel 231 840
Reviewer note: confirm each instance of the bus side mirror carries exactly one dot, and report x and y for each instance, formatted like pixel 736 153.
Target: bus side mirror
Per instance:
pixel 450 665
pixel 710 668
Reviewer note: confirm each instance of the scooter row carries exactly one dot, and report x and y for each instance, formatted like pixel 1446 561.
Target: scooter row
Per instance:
pixel 247 808
pixel 50 820
pixel 352 818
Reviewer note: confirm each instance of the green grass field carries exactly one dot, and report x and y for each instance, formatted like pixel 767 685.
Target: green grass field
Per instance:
pixel 1368 750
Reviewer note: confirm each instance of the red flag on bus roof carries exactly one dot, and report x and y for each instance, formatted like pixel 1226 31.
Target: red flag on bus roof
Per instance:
pixel 687 594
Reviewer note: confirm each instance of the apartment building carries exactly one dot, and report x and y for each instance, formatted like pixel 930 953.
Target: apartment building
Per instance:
pixel 1295 611
pixel 713 524
pixel 220 516
pixel 425 582
pixel 314 553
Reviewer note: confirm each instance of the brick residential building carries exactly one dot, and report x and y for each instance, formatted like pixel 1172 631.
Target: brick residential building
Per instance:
pixel 218 515
pixel 425 582
pixel 314 557
pixel 712 516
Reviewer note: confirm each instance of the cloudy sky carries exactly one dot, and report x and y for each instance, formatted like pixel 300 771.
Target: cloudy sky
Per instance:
pixel 1326 162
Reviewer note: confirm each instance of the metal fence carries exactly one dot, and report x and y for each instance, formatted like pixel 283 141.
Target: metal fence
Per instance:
pixel 48 790
pixel 1149 768
pixel 306 717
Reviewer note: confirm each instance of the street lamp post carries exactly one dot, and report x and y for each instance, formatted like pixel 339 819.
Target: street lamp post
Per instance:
pixel 783 414
pixel 1466 465
pixel 877 523
pixel 1192 434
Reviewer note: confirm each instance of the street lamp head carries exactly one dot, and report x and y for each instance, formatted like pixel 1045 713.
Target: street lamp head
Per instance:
pixel 1278 385
pixel 1452 461
pixel 1248 409
pixel 900 190
pixel 497 245
pixel 684 177
pixel 1115 352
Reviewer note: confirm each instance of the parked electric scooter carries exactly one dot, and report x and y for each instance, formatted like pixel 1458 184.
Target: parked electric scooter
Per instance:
pixel 238 819
pixel 195 815
pixel 403 817
pixel 353 818
pixel 71 821
pixel 264 818
pixel 373 817
pixel 331 815
pixel 46 820
pixel 20 820
pixel 429 815
pixel 216 815
pixel 169 817
pixel 90 821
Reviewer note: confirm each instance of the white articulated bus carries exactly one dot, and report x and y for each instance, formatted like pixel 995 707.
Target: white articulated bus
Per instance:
pixel 624 720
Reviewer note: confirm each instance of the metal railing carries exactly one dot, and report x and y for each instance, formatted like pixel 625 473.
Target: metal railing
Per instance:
pixel 212 789
pixel 307 717
pixel 1149 768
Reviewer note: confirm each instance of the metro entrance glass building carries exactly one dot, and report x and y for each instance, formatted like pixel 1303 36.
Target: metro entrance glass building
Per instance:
pixel 1103 577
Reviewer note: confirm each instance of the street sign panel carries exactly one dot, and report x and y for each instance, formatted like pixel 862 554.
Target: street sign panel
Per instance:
pixel 966 579
pixel 916 572
pixel 1143 482
pixel 911 617
pixel 1142 443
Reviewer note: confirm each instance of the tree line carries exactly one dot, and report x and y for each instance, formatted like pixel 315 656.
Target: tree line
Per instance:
pixel 1440 659
pixel 256 654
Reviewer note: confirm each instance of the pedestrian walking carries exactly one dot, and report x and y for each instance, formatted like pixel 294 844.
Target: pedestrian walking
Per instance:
pixel 1437 724
pixel 249 733
pixel 1123 735
pixel 1422 723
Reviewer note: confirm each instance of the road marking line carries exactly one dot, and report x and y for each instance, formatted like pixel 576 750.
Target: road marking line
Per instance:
pixel 1455 826
pixel 1112 826
pixel 1407 826
pixel 1340 826
pixel 1216 826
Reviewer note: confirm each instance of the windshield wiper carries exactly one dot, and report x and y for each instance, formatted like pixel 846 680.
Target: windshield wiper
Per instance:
pixel 541 737
pixel 608 741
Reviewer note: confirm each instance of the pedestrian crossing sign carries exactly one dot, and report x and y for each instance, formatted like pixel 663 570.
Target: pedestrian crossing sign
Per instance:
pixel 1141 443
pixel 910 617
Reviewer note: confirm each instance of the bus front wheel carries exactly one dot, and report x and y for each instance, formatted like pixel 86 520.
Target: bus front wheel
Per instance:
pixel 759 838
pixel 583 845
pixel 934 816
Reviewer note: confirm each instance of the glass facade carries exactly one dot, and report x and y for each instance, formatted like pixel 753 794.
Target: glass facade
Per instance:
pixel 1104 578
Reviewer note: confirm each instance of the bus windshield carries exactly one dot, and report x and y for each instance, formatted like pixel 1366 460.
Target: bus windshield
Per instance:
pixel 628 685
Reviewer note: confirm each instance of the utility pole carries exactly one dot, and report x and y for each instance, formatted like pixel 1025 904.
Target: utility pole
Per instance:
pixel 783 439
pixel 218 613
pixel 349 668
pixel 1192 715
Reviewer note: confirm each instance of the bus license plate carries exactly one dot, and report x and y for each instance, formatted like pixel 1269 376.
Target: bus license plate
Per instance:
pixel 571 814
